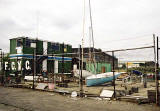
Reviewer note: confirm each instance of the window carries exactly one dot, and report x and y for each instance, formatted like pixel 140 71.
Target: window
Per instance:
pixel 65 48
pixel 28 43
pixel 55 46
pixel 19 42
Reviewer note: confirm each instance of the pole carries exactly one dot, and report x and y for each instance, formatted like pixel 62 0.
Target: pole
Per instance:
pixel 155 66
pixel 79 51
pixel 113 74
pixel 81 79
pixel 90 12
pixel 145 77
pixel 127 67
pixel 154 55
pixel 63 59
pixel 83 33
pixel 157 76
pixel 34 61
pixel 16 73
pixel 2 68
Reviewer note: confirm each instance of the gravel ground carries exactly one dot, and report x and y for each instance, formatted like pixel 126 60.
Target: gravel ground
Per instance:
pixel 4 107
pixel 17 99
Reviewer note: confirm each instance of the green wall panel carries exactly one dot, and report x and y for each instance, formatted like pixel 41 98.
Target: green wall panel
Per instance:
pixel 13 46
pixel 39 49
pixel 50 66
pixel 67 66
pixel 91 67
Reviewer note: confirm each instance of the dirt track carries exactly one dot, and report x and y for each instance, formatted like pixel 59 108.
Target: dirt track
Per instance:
pixel 13 99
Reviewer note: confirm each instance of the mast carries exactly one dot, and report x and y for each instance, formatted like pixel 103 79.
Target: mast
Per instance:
pixel 89 54
pixel 91 28
pixel 81 54
pixel 83 30
pixel 90 12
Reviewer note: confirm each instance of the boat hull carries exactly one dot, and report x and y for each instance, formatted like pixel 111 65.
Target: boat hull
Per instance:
pixel 84 73
pixel 99 81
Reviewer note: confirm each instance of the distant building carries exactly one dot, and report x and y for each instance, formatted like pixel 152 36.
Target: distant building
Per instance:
pixel 134 64
pixel 24 49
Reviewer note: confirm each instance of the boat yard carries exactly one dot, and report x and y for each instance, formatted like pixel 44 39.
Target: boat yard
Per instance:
pixel 28 100
pixel 95 67
pixel 62 73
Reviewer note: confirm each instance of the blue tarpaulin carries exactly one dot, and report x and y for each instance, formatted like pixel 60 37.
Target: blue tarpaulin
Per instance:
pixel 136 72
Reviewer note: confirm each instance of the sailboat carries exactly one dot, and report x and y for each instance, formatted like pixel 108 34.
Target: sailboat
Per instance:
pixel 99 79
pixel 95 79
pixel 85 73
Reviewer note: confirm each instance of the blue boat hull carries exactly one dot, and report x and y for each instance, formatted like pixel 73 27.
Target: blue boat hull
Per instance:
pixel 99 81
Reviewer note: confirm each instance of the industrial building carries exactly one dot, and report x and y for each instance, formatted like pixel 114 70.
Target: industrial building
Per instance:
pixel 28 53
pixel 103 62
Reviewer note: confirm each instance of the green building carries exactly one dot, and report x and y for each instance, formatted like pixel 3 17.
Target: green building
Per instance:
pixel 98 67
pixel 101 63
pixel 49 56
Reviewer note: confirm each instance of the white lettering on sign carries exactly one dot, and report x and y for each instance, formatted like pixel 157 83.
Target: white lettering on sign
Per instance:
pixel 19 65
pixel 27 65
pixel 6 65
pixel 13 66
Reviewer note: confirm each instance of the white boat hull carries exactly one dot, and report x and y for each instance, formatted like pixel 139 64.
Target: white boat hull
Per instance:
pixel 101 78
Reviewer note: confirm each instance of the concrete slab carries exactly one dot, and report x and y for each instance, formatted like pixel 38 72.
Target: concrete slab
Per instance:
pixel 106 93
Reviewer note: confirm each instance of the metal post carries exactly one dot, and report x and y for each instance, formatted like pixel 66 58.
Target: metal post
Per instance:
pixel 63 59
pixel 34 62
pixel 157 76
pixel 155 71
pixel 81 79
pixel 145 77
pixel 16 73
pixel 2 68
pixel 113 74
pixel 127 67
pixel 79 51
pixel 54 74
pixel 52 68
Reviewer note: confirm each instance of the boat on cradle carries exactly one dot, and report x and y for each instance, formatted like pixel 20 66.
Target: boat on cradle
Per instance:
pixel 99 79
pixel 85 73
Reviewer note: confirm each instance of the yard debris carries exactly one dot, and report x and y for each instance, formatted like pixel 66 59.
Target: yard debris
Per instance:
pixel 52 94
pixel 50 86
pixel 64 92
pixel 106 93
pixel 107 99
pixel 42 86
pixel 96 98
pixel 74 94
pixel 135 99
pixel 152 96
pixel 134 89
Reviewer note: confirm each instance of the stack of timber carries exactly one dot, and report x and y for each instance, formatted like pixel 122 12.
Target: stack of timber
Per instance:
pixel 152 96
pixel 135 99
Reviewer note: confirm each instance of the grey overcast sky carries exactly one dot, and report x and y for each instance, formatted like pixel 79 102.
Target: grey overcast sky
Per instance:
pixel 117 24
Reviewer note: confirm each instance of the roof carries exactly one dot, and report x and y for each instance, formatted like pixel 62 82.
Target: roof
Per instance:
pixel 23 37
pixel 97 51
